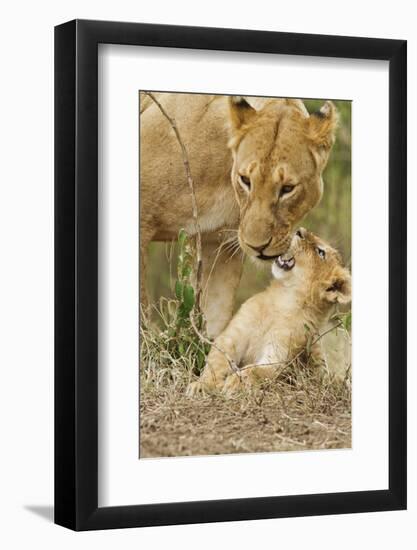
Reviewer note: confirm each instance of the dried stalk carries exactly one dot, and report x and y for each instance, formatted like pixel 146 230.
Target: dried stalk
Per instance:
pixel 199 263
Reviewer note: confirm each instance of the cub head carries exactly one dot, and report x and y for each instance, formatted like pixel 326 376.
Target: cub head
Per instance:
pixel 279 154
pixel 313 266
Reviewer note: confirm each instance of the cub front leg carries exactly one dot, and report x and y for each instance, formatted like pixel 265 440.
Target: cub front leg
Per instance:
pixel 221 275
pixel 214 374
pixel 318 357
pixel 223 359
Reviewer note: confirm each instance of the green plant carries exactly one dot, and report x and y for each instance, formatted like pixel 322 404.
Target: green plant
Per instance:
pixel 175 339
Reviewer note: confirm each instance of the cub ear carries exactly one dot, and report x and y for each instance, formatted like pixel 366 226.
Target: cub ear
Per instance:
pixel 340 288
pixel 240 112
pixel 322 127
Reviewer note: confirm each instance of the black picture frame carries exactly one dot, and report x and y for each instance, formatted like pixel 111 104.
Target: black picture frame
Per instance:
pixel 76 272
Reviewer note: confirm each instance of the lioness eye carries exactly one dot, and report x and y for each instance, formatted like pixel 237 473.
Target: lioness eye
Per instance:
pixel 321 253
pixel 245 180
pixel 285 189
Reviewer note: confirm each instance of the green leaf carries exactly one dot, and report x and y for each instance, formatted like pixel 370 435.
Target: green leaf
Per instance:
pixel 182 238
pixel 347 321
pixel 189 297
pixel 186 270
pixel 182 315
pixel 179 290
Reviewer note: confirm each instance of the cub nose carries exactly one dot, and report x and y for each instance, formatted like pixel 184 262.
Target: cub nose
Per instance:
pixel 261 247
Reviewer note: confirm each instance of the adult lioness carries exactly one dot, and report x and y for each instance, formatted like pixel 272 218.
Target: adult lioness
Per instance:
pixel 257 167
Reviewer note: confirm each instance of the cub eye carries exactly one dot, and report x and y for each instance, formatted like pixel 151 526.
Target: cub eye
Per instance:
pixel 321 252
pixel 285 189
pixel 245 180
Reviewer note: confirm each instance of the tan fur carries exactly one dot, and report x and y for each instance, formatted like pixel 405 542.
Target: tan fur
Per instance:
pixel 270 330
pixel 226 137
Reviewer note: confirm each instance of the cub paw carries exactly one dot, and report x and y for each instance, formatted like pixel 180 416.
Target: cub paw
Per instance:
pixel 196 389
pixel 235 382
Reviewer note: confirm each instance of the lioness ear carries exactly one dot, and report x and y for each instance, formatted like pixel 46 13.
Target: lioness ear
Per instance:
pixel 240 111
pixel 322 130
pixel 340 288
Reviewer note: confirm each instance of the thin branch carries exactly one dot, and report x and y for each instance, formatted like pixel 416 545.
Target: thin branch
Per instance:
pixel 190 181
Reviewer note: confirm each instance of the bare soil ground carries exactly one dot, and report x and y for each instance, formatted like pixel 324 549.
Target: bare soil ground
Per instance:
pixel 298 411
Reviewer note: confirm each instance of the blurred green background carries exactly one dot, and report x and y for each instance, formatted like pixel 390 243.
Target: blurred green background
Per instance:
pixel 331 219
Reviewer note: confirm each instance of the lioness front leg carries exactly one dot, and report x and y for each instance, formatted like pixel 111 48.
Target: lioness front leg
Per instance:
pixel 221 275
pixel 145 239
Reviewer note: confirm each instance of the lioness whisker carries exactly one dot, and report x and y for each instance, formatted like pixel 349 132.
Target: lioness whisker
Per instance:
pixel 235 252
pixel 227 245
pixel 231 247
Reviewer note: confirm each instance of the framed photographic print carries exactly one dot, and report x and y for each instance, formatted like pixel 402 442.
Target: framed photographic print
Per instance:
pixel 230 235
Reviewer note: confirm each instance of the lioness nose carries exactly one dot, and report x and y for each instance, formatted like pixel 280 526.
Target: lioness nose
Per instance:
pixel 259 248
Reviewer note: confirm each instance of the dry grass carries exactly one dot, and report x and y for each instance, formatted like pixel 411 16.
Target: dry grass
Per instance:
pixel 300 410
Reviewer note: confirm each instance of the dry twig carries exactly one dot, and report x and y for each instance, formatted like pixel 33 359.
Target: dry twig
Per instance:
pixel 193 198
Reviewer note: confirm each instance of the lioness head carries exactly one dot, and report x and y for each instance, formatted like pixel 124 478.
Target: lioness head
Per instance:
pixel 279 154
pixel 313 265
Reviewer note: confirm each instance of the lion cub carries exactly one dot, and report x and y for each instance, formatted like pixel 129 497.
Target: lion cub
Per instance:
pixel 274 326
